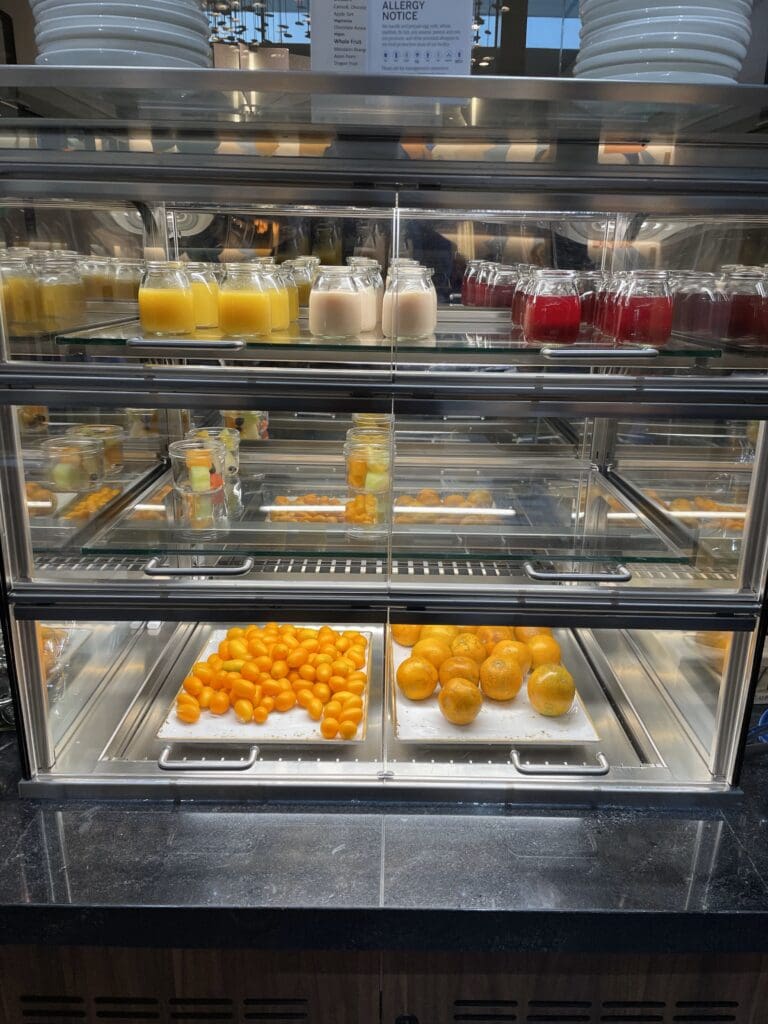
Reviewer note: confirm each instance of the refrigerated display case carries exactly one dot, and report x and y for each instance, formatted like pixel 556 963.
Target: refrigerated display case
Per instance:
pixel 220 549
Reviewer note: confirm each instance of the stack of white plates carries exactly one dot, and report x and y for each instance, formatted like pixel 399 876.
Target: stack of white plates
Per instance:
pixel 167 33
pixel 667 41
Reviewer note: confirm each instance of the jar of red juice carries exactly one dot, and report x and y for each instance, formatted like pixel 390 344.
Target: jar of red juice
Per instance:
pixel 552 310
pixel 503 288
pixel 746 294
pixel 644 314
pixel 468 283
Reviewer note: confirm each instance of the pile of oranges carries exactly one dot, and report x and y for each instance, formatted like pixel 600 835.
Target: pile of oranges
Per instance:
pixel 473 662
pixel 258 670
pixel 301 515
pixel 90 504
pixel 430 498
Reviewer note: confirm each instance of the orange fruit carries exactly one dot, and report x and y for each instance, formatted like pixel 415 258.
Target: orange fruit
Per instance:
pixel 459 667
pixel 460 701
pixel 188 713
pixel 491 635
pixel 551 690
pixel 500 678
pixel 513 649
pixel 417 678
pixel 434 648
pixel 545 650
pixel 525 633
pixel 467 645
pixel 405 635
pixel 446 632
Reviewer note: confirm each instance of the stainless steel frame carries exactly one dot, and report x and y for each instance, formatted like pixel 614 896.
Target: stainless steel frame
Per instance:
pixel 111 746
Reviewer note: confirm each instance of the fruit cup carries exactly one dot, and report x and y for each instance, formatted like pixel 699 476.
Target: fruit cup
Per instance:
pixel 73 464
pixel 112 437
pixel 251 424
pixel 368 465
pixel 199 499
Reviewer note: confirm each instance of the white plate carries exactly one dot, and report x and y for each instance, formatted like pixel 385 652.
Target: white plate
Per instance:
pixel 513 721
pixel 85 44
pixel 281 727
pixel 596 8
pixel 107 36
pixel 676 77
pixel 182 6
pixel 112 58
pixel 708 62
pixel 662 40
pixel 118 9
pixel 616 24
pixel 175 34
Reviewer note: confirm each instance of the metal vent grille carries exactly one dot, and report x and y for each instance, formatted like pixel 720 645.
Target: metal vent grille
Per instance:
pixel 35 1009
pixel 60 1009
pixel 89 563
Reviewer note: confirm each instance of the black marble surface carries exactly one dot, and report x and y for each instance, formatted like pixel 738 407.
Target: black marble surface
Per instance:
pixel 400 877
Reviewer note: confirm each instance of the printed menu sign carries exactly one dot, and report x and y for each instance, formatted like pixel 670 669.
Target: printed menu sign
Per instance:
pixel 419 37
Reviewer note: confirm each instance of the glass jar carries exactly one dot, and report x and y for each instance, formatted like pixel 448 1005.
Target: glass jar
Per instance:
pixel 377 281
pixel 370 307
pixel 229 438
pixel 335 304
pixel 303 276
pixel 502 287
pixel 588 285
pixel 468 282
pixel 368 464
pixel 33 419
pixel 251 424
pixel 277 290
pixel 98 279
pixel 409 309
pixel 552 310
pixel 142 422
pixel 608 305
pixel 245 306
pixel 166 306
pixel 326 244
pixel 379 421
pixel 699 307
pixel 127 280
pixel 745 293
pixel 111 437
pixel 286 273
pixel 197 466
pixel 287 246
pixel 73 464
pixel 519 299
pixel 21 297
pixel 205 294
pixel 483 282
pixel 61 295
pixel 645 308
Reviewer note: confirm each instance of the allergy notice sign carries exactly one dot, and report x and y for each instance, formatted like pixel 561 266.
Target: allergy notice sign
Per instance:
pixel 421 37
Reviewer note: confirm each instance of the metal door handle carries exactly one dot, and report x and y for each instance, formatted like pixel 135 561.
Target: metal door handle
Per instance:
pixel 197 343
pixel 601 768
pixel 566 352
pixel 621 575
pixel 153 568
pixel 183 765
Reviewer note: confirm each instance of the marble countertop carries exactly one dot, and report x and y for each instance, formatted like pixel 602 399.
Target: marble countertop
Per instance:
pixel 468 877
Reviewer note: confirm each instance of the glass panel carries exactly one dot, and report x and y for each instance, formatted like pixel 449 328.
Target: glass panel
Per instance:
pixel 120 695
pixel 346 702
pixel 438 502
pixel 479 702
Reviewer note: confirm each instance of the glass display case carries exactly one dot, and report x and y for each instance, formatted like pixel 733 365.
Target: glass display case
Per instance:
pixel 394 445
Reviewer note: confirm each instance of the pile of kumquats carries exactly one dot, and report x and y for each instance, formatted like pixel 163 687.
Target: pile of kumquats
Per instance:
pixel 260 670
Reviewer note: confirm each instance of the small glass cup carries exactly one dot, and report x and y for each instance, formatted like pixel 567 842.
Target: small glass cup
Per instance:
pixel 502 289
pixel 251 424
pixel 747 299
pixel 205 294
pixel 197 466
pixel 245 304
pixel 166 305
pixel 229 438
pixel 336 304
pixel 409 309
pixel 112 438
pixel 645 308
pixel 552 310
pixel 61 295
pixel 468 282
pixel 73 464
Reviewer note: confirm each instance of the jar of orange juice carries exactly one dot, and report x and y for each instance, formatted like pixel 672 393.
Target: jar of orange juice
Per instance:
pixel 20 296
pixel 166 307
pixel 205 294
pixel 61 294
pixel 245 305
pixel 278 296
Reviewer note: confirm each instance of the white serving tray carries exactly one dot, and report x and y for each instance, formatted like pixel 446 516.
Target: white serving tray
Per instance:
pixel 294 726
pixel 513 722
